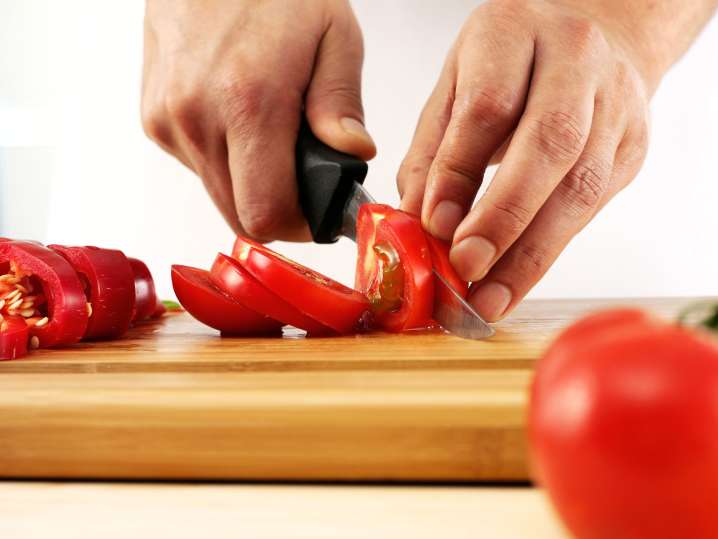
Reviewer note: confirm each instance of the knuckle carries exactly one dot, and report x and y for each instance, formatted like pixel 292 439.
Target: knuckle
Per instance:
pixel 559 136
pixel 532 260
pixel 412 169
pixel 453 170
pixel 585 36
pixel 514 216
pixel 242 99
pixel 153 125
pixel 181 105
pixel 260 222
pixel 338 89
pixel 584 186
pixel 489 108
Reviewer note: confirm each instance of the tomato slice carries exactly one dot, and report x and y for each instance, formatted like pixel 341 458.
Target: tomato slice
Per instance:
pixel 14 336
pixel 145 295
pixel 229 275
pixel 336 306
pixel 110 288
pixel 215 308
pixel 441 263
pixel 53 299
pixel 394 268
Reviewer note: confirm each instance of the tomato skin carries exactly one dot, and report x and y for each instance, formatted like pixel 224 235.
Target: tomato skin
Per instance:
pixel 215 308
pixel 14 339
pixel 230 276
pixel 332 304
pixel 623 428
pixel 111 288
pixel 66 301
pixel 440 261
pixel 145 294
pixel 379 224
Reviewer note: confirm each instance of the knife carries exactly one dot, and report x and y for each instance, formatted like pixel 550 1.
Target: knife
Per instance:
pixel 331 192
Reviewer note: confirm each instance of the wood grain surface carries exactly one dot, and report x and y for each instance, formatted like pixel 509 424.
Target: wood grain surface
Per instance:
pixel 173 400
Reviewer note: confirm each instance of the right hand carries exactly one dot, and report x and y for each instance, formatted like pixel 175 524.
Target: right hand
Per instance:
pixel 225 85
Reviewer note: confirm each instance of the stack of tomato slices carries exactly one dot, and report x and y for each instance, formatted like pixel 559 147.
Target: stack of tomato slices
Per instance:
pixel 57 295
pixel 257 291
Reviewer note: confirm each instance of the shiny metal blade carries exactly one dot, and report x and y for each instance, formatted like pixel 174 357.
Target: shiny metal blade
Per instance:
pixel 357 197
pixel 456 315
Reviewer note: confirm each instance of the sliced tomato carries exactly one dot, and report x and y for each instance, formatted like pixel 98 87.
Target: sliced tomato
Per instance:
pixel 441 263
pixel 109 286
pixel 319 297
pixel 145 294
pixel 229 275
pixel 394 268
pixel 14 337
pixel 45 290
pixel 214 307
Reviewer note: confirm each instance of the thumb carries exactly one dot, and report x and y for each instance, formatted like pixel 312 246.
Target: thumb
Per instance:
pixel 333 102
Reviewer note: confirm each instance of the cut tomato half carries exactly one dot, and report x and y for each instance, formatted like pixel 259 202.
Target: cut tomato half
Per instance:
pixel 229 275
pixel 109 286
pixel 215 308
pixel 319 297
pixel 441 263
pixel 394 268
pixel 14 336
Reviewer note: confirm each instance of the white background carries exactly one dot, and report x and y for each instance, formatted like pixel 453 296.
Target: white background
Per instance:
pixel 75 167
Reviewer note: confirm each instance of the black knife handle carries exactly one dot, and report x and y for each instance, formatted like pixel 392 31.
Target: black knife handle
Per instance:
pixel 325 177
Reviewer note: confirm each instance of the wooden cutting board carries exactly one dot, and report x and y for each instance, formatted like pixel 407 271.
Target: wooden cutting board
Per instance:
pixel 173 400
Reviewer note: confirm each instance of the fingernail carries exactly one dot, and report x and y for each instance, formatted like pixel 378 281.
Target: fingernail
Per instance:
pixel 356 129
pixel 491 300
pixel 472 257
pixel 444 219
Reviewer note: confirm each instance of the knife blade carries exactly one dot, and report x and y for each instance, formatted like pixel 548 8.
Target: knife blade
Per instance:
pixel 331 194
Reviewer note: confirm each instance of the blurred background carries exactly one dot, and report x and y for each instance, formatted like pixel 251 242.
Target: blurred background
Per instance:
pixel 75 166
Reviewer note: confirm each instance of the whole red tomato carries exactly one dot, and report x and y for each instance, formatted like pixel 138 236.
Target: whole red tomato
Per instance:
pixel 623 428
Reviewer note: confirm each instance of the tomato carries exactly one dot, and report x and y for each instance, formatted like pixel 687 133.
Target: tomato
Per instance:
pixel 230 276
pixel 623 428
pixel 45 290
pixel 331 303
pixel 109 287
pixel 441 263
pixel 394 268
pixel 145 295
pixel 14 336
pixel 214 307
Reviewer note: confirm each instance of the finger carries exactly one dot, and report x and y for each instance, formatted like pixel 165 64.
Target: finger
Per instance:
pixel 548 140
pixel 490 95
pixel 333 102
pixel 261 131
pixel 411 178
pixel 570 207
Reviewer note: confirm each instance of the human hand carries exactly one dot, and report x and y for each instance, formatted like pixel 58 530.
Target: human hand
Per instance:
pixel 224 86
pixel 560 98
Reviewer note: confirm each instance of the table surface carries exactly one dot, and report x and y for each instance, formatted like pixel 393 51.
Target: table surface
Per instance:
pixel 270 511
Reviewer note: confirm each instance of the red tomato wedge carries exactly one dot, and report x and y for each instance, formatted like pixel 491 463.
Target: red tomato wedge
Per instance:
pixel 215 308
pixel 14 336
pixel 109 286
pixel 229 275
pixel 441 263
pixel 45 290
pixel 334 305
pixel 145 295
pixel 394 268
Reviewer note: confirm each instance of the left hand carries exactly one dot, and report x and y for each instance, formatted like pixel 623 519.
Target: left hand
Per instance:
pixel 561 99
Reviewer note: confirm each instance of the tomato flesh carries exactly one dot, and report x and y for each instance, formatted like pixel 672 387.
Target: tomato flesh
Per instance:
pixel 402 294
pixel 623 427
pixel 232 278
pixel 315 295
pixel 14 337
pixel 215 308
